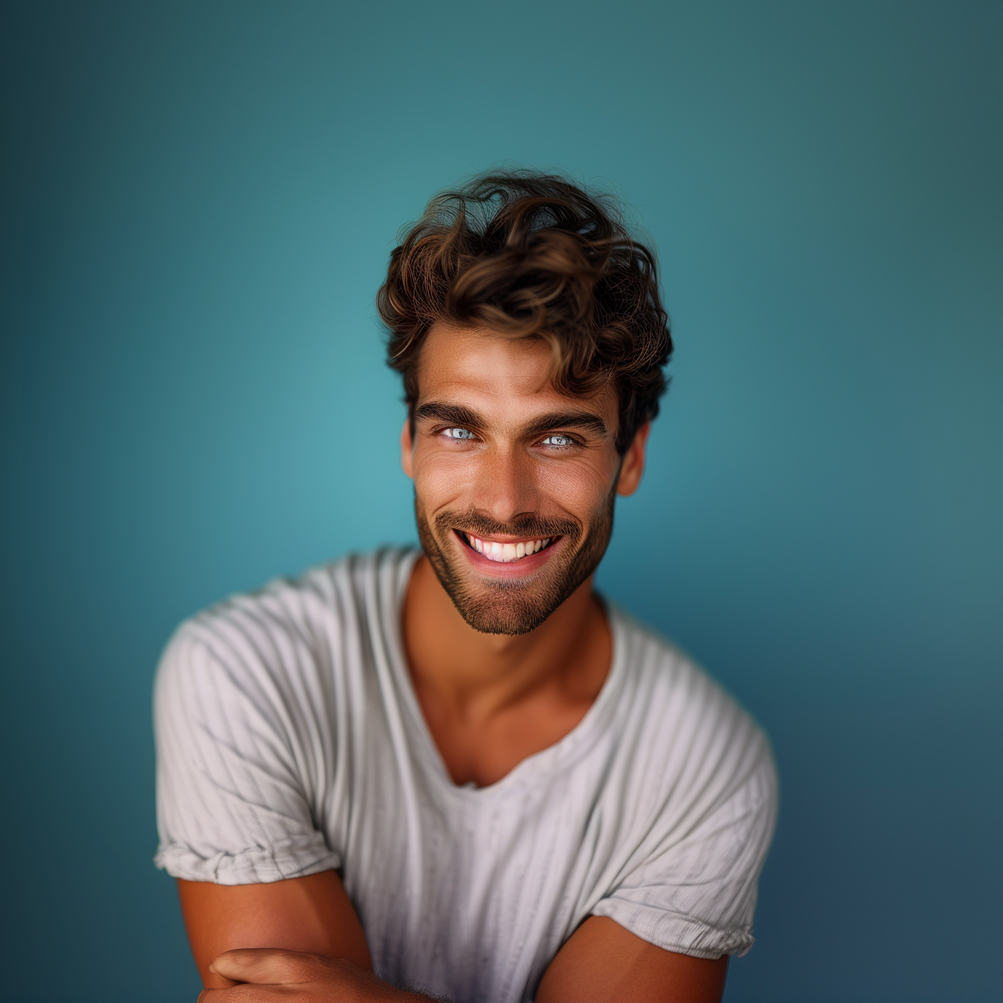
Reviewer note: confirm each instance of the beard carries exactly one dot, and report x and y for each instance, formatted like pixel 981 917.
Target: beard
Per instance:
pixel 507 605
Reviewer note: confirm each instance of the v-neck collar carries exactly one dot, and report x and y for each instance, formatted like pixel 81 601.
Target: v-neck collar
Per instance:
pixel 534 768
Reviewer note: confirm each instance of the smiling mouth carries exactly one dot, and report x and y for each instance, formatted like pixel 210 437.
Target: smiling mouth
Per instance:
pixel 506 553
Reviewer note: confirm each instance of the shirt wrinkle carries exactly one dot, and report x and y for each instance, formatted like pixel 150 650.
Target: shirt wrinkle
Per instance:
pixel 290 741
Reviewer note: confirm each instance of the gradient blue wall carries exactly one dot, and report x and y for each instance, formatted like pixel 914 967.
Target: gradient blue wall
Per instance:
pixel 203 197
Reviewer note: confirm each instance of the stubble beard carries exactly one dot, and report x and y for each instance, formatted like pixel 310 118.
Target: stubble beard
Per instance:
pixel 509 605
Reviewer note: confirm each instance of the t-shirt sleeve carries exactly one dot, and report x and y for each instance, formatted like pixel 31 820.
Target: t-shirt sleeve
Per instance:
pixel 232 803
pixel 695 892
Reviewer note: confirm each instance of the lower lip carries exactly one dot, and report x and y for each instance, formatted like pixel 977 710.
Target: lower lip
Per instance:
pixel 507 569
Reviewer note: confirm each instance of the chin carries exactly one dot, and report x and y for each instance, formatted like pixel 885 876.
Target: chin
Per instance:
pixel 501 611
pixel 514 597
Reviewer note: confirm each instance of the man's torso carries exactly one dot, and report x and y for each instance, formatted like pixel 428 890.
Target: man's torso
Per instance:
pixel 291 742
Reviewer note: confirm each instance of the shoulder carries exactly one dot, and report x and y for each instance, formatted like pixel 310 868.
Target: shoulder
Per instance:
pixel 289 631
pixel 695 803
pixel 335 596
pixel 687 728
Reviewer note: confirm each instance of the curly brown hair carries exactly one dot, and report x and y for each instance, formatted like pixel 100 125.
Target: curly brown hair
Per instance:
pixel 532 255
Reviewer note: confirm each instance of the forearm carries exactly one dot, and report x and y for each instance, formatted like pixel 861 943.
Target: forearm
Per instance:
pixel 312 915
pixel 261 975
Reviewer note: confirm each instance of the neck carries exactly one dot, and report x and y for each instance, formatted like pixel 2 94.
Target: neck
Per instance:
pixel 477 675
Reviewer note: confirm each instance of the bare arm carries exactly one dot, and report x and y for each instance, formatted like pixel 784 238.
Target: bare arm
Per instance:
pixel 285 941
pixel 311 914
pixel 600 962
pixel 604 963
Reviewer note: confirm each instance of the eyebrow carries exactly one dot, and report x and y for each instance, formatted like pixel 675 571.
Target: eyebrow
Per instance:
pixel 587 421
pixel 441 411
pixel 584 420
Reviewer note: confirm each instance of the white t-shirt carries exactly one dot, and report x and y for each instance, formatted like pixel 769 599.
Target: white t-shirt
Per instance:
pixel 290 741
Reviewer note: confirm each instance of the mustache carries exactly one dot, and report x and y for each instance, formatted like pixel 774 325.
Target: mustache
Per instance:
pixel 528 527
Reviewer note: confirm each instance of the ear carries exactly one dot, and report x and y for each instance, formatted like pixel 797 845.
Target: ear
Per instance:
pixel 407 445
pixel 633 462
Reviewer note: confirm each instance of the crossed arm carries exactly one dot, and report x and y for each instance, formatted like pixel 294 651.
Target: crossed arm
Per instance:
pixel 300 939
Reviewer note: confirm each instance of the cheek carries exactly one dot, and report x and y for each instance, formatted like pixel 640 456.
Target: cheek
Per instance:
pixel 440 477
pixel 578 488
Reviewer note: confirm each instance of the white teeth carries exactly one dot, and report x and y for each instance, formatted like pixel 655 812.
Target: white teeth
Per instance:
pixel 506 552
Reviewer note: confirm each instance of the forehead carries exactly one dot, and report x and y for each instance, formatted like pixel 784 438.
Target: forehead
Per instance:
pixel 479 367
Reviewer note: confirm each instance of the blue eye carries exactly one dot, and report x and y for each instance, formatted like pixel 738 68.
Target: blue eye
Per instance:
pixel 557 439
pixel 459 434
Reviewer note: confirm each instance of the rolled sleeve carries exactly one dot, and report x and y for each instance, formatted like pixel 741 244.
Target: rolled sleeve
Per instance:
pixel 697 895
pixel 231 805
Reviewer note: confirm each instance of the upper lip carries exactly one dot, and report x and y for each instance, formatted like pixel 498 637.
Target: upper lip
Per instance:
pixel 503 538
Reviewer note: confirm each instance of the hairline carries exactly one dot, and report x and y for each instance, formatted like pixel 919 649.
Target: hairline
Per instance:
pixel 487 332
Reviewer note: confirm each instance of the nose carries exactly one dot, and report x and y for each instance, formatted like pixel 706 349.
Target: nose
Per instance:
pixel 505 486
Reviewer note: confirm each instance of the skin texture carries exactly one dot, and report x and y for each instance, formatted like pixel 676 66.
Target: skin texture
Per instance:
pixel 496 681
pixel 302 914
pixel 491 700
pixel 604 963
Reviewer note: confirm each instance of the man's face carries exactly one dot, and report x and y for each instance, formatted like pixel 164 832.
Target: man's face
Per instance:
pixel 514 482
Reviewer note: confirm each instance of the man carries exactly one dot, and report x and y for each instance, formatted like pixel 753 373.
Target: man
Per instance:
pixel 457 772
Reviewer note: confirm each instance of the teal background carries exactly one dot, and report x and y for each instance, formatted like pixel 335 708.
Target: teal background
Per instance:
pixel 200 201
